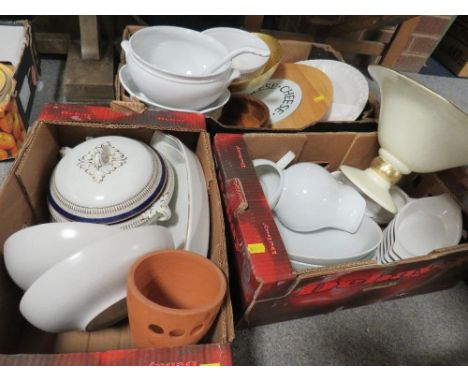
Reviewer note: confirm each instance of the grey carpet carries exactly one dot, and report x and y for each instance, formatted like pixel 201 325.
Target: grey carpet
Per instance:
pixel 422 330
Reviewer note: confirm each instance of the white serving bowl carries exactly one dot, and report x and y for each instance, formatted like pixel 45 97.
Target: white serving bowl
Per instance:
pixel 168 65
pixel 32 251
pixel 179 92
pixel 79 292
pixel 214 109
pixel 233 39
pixel 331 246
pixel 312 199
pixel 176 51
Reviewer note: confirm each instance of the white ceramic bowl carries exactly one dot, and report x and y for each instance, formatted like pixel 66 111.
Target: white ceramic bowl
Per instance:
pixel 426 224
pixel 180 93
pixel 176 51
pixel 167 64
pixel 74 294
pixel 214 109
pixel 233 39
pixel 331 246
pixel 312 199
pixel 299 266
pixel 32 251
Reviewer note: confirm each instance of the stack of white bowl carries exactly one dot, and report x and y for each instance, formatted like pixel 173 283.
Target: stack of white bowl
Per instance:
pixel 420 227
pixel 176 68
pixel 321 221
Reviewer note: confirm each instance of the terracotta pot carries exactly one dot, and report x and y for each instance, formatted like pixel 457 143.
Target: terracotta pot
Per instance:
pixel 173 297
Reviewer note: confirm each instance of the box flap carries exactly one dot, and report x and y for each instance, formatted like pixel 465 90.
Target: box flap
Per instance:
pixel 253 222
pixel 79 114
pixel 12 43
pixel 195 355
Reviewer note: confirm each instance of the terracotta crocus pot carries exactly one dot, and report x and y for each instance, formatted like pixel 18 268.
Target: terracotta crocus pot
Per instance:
pixel 173 297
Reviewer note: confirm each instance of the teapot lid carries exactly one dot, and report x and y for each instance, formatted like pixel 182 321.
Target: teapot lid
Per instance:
pixel 106 180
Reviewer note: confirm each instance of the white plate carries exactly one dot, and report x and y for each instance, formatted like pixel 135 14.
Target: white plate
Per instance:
pixel 132 89
pixel 198 234
pixel 32 251
pixel 298 266
pixel 350 89
pixel 331 246
pixel 178 223
pixel 71 294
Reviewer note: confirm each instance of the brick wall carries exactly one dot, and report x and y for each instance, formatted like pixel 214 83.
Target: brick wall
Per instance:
pixel 419 47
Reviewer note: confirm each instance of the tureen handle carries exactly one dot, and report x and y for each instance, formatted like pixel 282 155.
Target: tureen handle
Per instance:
pixel 164 212
pixel 125 46
pixel 65 150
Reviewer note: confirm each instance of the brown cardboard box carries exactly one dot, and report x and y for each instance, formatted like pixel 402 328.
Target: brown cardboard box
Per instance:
pixel 294 49
pixel 23 203
pixel 268 290
pixel 452 50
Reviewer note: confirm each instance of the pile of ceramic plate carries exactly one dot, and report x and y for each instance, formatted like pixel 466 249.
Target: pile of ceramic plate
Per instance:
pixel 420 227
pixel 180 69
pixel 321 221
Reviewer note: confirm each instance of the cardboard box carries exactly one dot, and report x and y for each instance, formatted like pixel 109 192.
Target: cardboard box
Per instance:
pixel 23 203
pixel 268 290
pixel 17 49
pixel 295 48
pixel 452 50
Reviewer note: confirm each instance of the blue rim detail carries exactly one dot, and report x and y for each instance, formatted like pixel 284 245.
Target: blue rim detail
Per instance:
pixel 121 217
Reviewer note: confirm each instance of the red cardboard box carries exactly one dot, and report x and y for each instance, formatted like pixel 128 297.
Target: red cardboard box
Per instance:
pixel 23 203
pixel 268 290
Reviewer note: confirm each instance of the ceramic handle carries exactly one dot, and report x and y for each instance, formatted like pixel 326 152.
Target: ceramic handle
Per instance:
pixel 164 213
pixel 286 160
pixel 64 151
pixel 234 75
pixel 125 44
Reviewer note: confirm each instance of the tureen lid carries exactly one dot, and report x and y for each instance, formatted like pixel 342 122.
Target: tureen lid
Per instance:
pixel 106 180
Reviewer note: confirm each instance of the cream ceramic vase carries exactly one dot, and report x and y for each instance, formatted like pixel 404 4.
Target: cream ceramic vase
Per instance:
pixel 419 131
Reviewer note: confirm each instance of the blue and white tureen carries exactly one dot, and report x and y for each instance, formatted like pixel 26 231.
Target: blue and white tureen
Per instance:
pixel 111 180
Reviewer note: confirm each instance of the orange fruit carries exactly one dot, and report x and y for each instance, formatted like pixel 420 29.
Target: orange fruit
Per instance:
pixel 7 142
pixel 3 154
pixel 14 151
pixel 18 129
pixel 6 123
